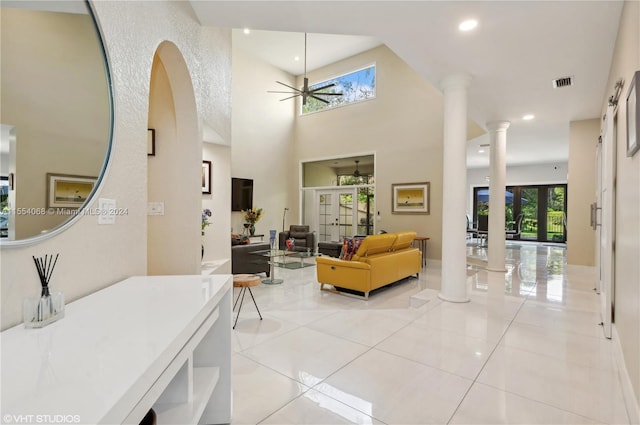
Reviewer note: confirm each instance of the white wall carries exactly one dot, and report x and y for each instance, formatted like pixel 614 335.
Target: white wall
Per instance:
pixel 93 256
pixel 263 148
pixel 626 61
pixel 583 139
pixel 216 240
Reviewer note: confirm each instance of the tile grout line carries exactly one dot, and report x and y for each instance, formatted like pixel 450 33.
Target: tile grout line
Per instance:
pixel 475 380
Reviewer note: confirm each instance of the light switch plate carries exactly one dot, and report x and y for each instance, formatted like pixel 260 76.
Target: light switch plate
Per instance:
pixel 107 214
pixel 155 208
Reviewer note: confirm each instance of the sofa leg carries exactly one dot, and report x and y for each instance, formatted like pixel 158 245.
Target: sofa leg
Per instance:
pixel 344 294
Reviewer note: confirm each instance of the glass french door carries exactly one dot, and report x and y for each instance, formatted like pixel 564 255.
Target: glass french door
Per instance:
pixel 344 212
pixel 529 206
pixel 335 214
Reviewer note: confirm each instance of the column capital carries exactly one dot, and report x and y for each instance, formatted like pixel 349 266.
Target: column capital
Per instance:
pixel 498 125
pixel 455 81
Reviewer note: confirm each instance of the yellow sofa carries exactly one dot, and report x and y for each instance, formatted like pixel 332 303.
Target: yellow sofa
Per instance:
pixel 379 261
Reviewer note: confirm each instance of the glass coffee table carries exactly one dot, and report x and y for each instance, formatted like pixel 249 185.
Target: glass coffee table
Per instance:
pixel 273 255
pixel 297 258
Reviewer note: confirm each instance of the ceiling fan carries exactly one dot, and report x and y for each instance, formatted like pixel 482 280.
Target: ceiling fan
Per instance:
pixel 356 172
pixel 306 92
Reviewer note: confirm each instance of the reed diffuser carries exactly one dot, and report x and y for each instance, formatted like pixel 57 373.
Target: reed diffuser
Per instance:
pixel 39 312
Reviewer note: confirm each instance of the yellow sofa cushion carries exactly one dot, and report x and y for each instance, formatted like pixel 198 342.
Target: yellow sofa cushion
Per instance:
pixel 375 244
pixel 403 240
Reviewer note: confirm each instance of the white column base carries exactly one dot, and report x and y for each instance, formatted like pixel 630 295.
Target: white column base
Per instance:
pixel 454 300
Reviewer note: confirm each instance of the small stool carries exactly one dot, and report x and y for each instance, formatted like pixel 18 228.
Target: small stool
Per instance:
pixel 245 281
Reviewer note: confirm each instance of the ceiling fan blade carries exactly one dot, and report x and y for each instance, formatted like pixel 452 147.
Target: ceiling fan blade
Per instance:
pixel 290 97
pixel 273 91
pixel 286 85
pixel 318 98
pixel 322 88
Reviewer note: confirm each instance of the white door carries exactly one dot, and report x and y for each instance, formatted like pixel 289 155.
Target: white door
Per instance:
pixel 607 227
pixel 336 213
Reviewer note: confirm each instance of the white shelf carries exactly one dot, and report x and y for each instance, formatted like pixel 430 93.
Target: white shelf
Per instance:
pixel 204 382
pixel 121 349
pixel 209 267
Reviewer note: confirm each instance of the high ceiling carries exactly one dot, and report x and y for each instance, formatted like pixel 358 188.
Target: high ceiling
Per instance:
pixel 513 55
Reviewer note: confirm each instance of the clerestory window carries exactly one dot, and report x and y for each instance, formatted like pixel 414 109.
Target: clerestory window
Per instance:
pixel 355 87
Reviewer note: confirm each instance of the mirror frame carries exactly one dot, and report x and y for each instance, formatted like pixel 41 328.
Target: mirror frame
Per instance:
pixel 105 164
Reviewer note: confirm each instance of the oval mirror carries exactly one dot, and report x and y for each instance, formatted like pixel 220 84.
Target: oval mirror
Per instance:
pixel 55 116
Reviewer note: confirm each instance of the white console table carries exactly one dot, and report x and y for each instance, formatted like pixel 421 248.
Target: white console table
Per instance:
pixel 148 341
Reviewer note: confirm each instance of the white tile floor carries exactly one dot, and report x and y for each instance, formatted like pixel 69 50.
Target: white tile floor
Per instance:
pixel 527 349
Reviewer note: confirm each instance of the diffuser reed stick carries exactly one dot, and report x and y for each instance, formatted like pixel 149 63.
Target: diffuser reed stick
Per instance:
pixel 45 267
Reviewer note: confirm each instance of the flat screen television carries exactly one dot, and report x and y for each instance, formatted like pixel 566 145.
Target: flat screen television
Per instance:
pixel 241 194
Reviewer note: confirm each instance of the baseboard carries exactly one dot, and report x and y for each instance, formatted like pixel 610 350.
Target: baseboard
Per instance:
pixel 631 402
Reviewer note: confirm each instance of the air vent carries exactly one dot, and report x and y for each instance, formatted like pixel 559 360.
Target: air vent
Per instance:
pixel 485 145
pixel 562 82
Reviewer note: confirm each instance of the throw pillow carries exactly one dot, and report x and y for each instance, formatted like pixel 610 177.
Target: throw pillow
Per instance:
pixel 349 248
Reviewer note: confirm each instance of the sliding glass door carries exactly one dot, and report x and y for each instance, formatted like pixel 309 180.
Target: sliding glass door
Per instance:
pixel 544 210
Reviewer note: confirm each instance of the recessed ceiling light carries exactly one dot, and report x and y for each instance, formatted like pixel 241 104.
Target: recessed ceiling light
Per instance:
pixel 528 117
pixel 297 58
pixel 246 31
pixel 480 150
pixel 468 25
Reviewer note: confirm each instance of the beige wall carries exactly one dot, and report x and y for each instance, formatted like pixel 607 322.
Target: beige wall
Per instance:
pixel 263 141
pixel 402 125
pixel 626 61
pixel 61 119
pixel 94 256
pixel 216 240
pixel 173 242
pixel 318 175
pixel 581 191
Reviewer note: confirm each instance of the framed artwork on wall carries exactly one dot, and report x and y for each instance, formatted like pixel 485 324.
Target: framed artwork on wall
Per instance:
pixel 633 116
pixel 410 198
pixel 68 191
pixel 151 142
pixel 206 177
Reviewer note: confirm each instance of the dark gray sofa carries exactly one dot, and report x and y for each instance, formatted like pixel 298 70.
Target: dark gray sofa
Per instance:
pixel 244 262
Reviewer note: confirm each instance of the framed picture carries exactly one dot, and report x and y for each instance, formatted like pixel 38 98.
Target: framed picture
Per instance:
pixel 206 177
pixel 68 191
pixel 410 198
pixel 151 142
pixel 633 116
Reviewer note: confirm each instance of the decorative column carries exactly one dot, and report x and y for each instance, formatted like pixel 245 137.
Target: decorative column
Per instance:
pixel 497 192
pixel 454 189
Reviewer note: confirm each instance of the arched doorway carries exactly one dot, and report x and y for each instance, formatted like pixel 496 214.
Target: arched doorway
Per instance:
pixel 174 168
